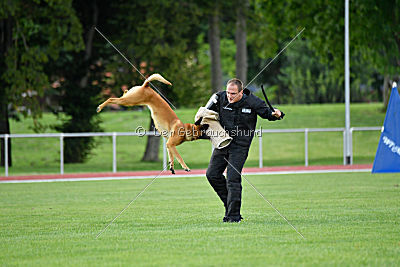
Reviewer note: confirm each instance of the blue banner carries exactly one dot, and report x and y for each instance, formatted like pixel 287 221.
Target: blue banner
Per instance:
pixel 387 158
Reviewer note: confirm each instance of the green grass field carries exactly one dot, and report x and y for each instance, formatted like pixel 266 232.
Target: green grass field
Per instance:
pixel 41 155
pixel 348 219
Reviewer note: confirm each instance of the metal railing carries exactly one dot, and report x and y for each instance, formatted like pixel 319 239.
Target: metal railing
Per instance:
pixel 114 136
pixel 306 131
pixel 61 136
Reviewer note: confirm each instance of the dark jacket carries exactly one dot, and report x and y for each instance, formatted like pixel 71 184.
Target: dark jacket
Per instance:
pixel 240 118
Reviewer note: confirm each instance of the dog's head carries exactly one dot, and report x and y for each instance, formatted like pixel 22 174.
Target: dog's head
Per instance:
pixel 195 131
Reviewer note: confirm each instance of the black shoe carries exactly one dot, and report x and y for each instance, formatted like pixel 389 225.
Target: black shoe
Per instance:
pixel 232 220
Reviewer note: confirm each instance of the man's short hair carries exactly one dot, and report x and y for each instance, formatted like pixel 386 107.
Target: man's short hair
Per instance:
pixel 236 82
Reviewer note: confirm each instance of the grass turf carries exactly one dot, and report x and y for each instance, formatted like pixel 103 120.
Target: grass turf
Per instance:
pixel 347 219
pixel 41 155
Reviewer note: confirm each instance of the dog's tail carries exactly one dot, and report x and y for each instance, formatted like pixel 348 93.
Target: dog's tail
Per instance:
pixel 155 77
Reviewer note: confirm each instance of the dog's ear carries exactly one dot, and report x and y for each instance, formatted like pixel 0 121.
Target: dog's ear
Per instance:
pixel 198 121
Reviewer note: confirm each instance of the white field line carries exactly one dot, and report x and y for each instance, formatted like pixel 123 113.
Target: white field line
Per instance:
pixel 177 176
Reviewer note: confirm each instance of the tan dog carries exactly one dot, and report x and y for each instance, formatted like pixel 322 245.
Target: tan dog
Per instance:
pixel 165 119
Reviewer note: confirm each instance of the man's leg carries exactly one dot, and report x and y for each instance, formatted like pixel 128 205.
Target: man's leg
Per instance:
pixel 237 158
pixel 215 173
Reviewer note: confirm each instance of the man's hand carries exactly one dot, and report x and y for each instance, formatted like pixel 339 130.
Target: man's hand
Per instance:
pixel 277 113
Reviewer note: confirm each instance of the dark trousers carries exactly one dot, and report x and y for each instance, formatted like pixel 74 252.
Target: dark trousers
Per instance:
pixel 228 189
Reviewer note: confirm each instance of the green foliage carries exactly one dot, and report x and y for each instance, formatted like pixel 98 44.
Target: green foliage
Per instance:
pixel 150 37
pixel 262 36
pixel 79 114
pixel 307 84
pixel 81 77
pixel 375 32
pixel 374 29
pixel 316 82
pixel 228 51
pixel 38 36
pixel 314 73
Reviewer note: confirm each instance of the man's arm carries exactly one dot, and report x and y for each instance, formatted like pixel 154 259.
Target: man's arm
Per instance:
pixel 265 112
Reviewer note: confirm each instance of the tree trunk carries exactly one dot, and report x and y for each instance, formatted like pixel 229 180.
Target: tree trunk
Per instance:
pixel 89 43
pixel 241 44
pixel 386 91
pixel 4 126
pixel 152 146
pixel 6 41
pixel 214 41
pixel 397 40
pixel 76 148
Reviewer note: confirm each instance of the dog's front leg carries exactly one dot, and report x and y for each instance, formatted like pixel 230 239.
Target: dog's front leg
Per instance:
pixel 172 142
pixel 171 159
pixel 180 159
pixel 113 100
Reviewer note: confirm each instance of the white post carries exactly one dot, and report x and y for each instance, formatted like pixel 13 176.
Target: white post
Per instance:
pixel 114 141
pixel 164 154
pixel 62 153
pixel 347 82
pixel 260 150
pixel 6 154
pixel 351 145
pixel 344 147
pixel 306 147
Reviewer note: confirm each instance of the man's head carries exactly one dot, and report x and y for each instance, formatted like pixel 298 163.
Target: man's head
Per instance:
pixel 234 90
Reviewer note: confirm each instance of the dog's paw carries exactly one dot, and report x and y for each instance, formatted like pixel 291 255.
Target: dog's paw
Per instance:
pixel 172 170
pixel 98 109
pixel 188 170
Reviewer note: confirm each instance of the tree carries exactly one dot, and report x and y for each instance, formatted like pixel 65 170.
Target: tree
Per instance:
pixel 215 54
pixel 374 30
pixel 378 40
pixel 241 42
pixel 6 43
pixel 313 82
pixel 263 41
pixel 82 73
pixel 30 40
pixel 152 145
pixel 161 43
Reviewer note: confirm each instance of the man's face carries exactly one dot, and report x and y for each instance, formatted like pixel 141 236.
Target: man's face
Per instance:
pixel 232 93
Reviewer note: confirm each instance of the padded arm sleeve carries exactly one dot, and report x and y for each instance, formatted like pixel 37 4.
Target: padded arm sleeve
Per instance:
pixel 212 103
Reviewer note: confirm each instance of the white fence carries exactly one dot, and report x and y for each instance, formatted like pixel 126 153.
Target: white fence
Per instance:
pixel 114 135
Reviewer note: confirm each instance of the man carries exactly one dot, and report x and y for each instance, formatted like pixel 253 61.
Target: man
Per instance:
pixel 238 109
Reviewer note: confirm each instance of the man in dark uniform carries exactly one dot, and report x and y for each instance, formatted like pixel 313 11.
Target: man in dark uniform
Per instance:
pixel 238 110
